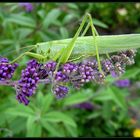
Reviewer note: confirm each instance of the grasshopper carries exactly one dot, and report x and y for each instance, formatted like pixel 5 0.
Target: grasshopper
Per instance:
pixel 83 46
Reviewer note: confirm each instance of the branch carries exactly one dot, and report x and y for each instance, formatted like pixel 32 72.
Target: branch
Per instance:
pixel 13 83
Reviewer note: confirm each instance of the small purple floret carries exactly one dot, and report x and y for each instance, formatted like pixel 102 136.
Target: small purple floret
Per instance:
pixel 61 77
pixel 28 6
pixel 60 91
pixel 6 70
pixel 84 105
pixel 28 82
pixel 123 83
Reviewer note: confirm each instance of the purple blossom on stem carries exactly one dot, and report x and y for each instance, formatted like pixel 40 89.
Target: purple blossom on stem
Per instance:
pixel 60 91
pixel 107 66
pixel 22 99
pixel 75 73
pixel 123 83
pixel 87 73
pixel 50 67
pixel 70 68
pixel 28 6
pixel 91 63
pixel 61 77
pixel 113 74
pixel 84 105
pixel 6 70
pixel 28 82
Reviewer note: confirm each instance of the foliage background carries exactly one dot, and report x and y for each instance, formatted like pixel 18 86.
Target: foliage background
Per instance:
pixel 115 111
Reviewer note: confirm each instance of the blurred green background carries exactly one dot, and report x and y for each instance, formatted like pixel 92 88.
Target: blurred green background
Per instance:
pixel 92 111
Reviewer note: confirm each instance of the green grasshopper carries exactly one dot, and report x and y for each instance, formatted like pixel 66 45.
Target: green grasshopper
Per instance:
pixel 83 46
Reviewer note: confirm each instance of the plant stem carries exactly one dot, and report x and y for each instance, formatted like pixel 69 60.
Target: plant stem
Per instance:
pixel 13 83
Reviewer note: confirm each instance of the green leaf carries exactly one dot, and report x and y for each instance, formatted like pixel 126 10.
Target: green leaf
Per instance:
pixel 69 18
pixel 41 13
pixel 99 23
pixel 51 17
pixel 43 36
pixel 6 42
pixel 131 73
pixel 33 127
pixel 39 99
pixel 107 112
pixel 24 32
pixel 59 117
pixel 50 127
pixel 46 102
pixel 73 6
pixel 78 97
pixel 72 130
pixel 94 115
pixel 64 32
pixel 21 110
pixel 18 125
pixel 21 20
pixel 102 96
pixel 117 96
pixel 109 79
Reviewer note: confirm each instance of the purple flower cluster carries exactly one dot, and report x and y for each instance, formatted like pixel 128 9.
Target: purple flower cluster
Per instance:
pixel 61 77
pixel 6 70
pixel 70 68
pixel 50 66
pixel 121 60
pixel 76 74
pixel 28 82
pixel 28 6
pixel 60 91
pixel 123 83
pixel 86 72
pixel 84 105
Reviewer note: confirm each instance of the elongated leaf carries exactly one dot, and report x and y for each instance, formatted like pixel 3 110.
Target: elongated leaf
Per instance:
pixel 46 102
pixel 130 73
pixel 73 6
pixel 21 20
pixel 59 117
pixel 80 97
pixel 6 42
pixel 20 110
pixel 51 128
pixel 33 128
pixel 117 96
pixel 64 32
pixel 73 131
pixel 94 115
pixel 85 46
pixel 69 17
pixel 51 17
pixel 102 96
pixel 18 124
pixel 99 23
pixel 24 32
pixel 110 79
